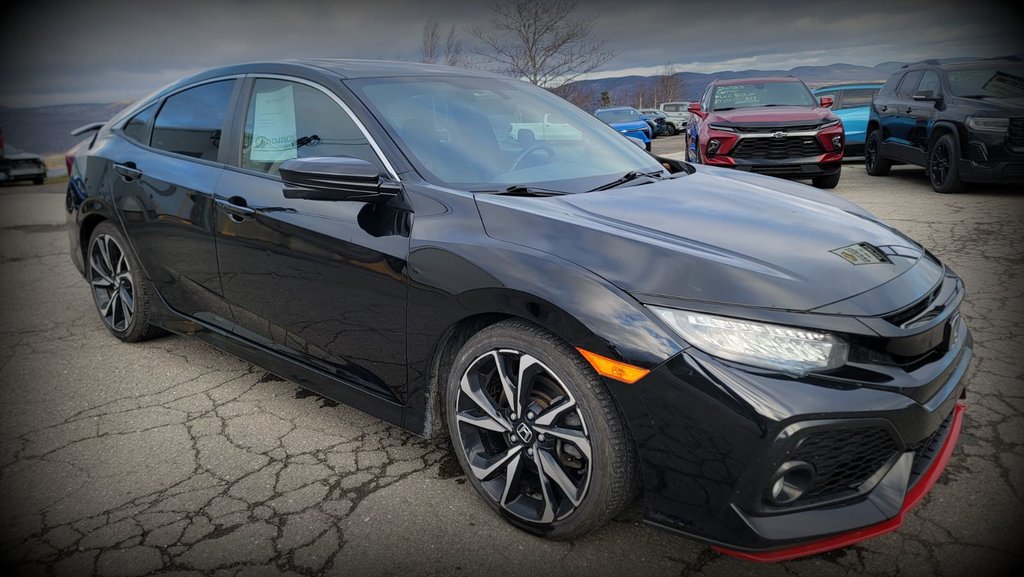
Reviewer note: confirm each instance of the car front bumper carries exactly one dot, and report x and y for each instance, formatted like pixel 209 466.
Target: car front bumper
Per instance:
pixel 711 436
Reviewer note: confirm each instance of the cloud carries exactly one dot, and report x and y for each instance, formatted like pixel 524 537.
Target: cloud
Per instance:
pixel 107 50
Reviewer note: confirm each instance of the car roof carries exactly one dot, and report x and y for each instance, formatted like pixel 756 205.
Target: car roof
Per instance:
pixel 853 85
pixel 993 62
pixel 610 108
pixel 758 80
pixel 344 68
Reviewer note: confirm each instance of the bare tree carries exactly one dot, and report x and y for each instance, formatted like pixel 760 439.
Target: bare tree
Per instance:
pixel 543 42
pixel 667 86
pixel 431 47
pixel 577 93
pixel 432 50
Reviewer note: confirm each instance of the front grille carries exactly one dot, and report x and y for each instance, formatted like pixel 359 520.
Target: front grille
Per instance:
pixel 1016 132
pixel 926 451
pixel 776 148
pixel 904 316
pixel 843 459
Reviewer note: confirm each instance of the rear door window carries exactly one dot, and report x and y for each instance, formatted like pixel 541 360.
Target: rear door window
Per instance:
pixel 190 122
pixel 857 97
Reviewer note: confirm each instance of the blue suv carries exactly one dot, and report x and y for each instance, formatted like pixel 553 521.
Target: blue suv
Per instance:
pixel 628 121
pixel 852 103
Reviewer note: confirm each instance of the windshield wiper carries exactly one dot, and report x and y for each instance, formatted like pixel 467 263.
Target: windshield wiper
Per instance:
pixel 628 177
pixel 523 190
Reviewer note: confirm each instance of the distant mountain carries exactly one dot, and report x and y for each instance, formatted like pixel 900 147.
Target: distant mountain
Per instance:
pixel 622 89
pixel 45 130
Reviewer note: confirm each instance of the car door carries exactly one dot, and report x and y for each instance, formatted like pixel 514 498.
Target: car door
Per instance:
pixel 899 119
pixel 164 174
pixel 924 113
pixel 315 280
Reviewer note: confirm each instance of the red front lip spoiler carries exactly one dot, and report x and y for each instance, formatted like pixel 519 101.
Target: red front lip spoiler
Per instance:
pixel 919 490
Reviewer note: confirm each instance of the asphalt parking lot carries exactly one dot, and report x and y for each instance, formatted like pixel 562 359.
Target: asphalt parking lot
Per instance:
pixel 170 457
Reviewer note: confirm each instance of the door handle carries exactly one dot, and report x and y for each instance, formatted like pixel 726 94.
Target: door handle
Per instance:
pixel 884 108
pixel 907 111
pixel 127 171
pixel 236 209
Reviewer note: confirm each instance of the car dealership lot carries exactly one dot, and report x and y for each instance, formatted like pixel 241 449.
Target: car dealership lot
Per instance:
pixel 172 456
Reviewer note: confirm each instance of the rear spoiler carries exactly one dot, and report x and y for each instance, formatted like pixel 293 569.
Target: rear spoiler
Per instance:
pixel 87 128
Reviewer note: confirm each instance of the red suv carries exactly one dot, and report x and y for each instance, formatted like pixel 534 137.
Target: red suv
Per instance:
pixel 767 125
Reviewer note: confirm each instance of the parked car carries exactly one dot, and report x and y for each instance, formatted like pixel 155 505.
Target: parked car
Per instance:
pixel 664 125
pixel 779 371
pixel 17 165
pixel 963 122
pixel 627 121
pixel 550 128
pixel 767 125
pixel 678 113
pixel 851 103
pixel 657 127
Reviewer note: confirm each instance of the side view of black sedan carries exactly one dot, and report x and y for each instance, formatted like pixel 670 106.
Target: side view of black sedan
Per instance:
pixel 772 369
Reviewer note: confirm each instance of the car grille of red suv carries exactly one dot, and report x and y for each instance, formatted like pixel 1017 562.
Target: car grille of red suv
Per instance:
pixel 776 148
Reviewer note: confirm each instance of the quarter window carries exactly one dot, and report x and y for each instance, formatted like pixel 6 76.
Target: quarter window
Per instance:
pixel 291 120
pixel 137 128
pixel 191 121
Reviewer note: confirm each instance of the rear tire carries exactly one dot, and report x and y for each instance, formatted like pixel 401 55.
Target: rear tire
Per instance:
pixel 827 182
pixel 874 164
pixel 944 165
pixel 670 129
pixel 121 294
pixel 546 448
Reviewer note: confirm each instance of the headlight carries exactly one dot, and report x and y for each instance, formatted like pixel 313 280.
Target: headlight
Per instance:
pixel 988 124
pixel 788 350
pixel 829 124
pixel 722 128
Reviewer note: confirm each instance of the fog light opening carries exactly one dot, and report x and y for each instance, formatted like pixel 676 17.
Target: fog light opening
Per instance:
pixel 790 482
pixel 837 143
pixel 713 146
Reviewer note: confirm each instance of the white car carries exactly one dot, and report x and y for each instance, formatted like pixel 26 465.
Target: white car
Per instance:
pixel 678 113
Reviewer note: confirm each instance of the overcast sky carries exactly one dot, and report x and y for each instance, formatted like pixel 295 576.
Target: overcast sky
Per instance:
pixel 103 51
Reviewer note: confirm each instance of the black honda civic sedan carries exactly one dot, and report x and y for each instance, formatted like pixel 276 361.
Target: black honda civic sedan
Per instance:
pixel 771 369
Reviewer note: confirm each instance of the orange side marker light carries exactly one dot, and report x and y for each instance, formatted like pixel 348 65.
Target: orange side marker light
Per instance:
pixel 613 369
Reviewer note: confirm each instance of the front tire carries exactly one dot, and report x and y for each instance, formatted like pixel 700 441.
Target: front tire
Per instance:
pixel 121 294
pixel 874 164
pixel 670 129
pixel 537 433
pixel 944 165
pixel 827 182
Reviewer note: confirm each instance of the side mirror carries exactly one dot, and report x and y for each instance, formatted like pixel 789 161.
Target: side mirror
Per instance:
pixel 826 102
pixel 335 178
pixel 694 107
pixel 926 96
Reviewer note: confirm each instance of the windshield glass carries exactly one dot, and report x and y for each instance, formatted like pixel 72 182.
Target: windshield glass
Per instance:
pixel 762 94
pixel 619 115
pixel 481 133
pixel 990 82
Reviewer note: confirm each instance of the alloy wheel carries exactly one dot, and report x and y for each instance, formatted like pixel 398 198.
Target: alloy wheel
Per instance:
pixel 871 153
pixel 939 164
pixel 110 278
pixel 523 436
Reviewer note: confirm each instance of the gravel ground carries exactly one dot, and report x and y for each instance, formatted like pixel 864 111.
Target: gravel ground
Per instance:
pixel 172 457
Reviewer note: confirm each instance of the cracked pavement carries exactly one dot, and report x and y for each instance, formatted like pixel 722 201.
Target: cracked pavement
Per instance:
pixel 171 457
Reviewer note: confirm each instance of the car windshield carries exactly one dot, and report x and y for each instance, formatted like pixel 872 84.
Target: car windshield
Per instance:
pixel 488 134
pixel 762 94
pixel 987 82
pixel 618 115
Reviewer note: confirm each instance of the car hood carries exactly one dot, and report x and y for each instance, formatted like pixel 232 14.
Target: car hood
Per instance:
pixel 992 106
pixel 723 236
pixel 773 115
pixel 631 125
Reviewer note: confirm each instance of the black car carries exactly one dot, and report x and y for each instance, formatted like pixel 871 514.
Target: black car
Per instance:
pixel 963 122
pixel 775 371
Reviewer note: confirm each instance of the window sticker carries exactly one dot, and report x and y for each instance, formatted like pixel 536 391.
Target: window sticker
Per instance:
pixel 1005 85
pixel 273 131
